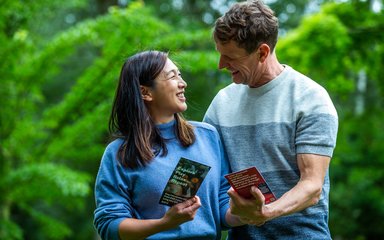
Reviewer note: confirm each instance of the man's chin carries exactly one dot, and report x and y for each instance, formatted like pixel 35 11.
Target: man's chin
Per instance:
pixel 238 81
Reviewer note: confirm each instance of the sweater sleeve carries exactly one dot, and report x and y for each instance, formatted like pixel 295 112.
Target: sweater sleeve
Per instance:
pixel 113 202
pixel 224 185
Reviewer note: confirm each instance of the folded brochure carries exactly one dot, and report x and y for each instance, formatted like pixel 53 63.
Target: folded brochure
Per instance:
pixel 184 182
pixel 243 180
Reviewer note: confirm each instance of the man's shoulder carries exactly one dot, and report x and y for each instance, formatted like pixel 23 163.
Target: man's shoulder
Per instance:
pixel 299 78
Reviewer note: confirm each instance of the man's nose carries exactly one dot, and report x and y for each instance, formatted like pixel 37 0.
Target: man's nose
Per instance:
pixel 222 63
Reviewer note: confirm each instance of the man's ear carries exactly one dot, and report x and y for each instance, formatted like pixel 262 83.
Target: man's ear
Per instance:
pixel 263 52
pixel 146 93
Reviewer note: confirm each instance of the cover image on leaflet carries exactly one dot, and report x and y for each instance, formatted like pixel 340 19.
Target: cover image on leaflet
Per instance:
pixel 243 180
pixel 184 182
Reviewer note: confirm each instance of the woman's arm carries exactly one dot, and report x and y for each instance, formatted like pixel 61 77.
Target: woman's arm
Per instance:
pixel 140 229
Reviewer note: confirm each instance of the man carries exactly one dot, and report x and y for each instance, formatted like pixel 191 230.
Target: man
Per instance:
pixel 278 120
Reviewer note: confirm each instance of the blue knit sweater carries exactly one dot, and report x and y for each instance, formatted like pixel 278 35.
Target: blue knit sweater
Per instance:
pixel 124 193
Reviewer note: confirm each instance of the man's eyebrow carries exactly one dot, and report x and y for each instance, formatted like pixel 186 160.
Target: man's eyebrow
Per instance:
pixel 226 56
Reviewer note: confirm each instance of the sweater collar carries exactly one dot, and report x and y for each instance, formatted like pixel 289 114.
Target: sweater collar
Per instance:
pixel 167 130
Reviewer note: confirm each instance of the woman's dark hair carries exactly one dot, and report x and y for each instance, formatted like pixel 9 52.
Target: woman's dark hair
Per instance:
pixel 130 119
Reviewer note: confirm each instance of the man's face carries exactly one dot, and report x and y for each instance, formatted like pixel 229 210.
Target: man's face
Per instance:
pixel 244 67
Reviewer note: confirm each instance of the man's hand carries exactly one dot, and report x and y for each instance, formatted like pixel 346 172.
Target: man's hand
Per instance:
pixel 305 193
pixel 250 211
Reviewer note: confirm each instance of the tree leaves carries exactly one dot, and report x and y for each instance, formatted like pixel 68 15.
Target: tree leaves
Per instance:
pixel 58 94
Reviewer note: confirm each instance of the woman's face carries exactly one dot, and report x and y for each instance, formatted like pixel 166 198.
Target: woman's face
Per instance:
pixel 167 95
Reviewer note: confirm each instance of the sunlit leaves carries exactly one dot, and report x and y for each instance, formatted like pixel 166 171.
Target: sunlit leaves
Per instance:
pixel 319 48
pixel 49 182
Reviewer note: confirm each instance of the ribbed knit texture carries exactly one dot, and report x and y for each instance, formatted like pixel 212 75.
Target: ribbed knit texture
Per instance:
pixel 122 193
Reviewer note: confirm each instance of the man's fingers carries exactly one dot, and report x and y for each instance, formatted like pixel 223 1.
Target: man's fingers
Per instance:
pixel 236 199
pixel 231 192
pixel 257 194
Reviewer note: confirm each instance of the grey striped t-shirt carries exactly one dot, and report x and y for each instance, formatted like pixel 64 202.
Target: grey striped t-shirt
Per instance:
pixel 266 127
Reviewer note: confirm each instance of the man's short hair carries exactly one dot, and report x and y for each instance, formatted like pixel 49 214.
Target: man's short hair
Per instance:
pixel 249 24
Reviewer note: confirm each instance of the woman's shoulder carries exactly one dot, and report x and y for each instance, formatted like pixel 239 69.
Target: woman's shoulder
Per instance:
pixel 203 126
pixel 114 145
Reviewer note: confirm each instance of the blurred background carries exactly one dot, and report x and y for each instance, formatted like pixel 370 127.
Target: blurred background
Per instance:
pixel 60 62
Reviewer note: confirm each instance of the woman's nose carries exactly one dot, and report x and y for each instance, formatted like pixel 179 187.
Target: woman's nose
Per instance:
pixel 182 83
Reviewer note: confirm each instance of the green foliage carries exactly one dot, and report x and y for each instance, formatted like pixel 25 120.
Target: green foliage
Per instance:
pixel 334 47
pixel 319 47
pixel 71 132
pixel 197 14
pixel 58 92
pixel 48 181
pixel 10 230
pixel 24 181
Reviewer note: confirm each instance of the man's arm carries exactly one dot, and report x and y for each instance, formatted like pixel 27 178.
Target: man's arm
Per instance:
pixel 305 193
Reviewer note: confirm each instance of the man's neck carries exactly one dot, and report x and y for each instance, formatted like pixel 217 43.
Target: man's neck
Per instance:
pixel 272 69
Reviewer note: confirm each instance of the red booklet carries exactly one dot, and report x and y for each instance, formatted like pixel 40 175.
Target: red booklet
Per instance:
pixel 243 180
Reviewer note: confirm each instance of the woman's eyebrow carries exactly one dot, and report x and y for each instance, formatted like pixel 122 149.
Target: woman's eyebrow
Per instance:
pixel 175 71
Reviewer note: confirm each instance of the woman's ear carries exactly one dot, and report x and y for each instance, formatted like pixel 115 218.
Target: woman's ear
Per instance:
pixel 146 93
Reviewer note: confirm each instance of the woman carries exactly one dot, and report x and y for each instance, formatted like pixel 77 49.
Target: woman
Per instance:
pixel 152 136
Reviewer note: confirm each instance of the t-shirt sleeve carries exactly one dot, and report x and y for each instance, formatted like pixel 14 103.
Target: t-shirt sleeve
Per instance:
pixel 316 124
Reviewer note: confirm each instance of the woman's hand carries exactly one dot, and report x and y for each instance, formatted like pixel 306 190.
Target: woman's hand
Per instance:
pixel 136 229
pixel 182 212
